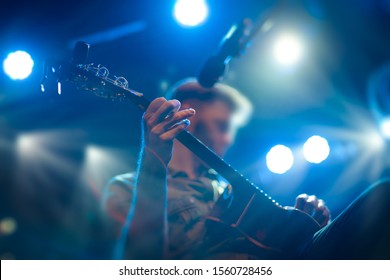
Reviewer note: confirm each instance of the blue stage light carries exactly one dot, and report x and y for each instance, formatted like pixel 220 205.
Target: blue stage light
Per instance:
pixel 190 12
pixel 279 159
pixel 316 149
pixel 18 65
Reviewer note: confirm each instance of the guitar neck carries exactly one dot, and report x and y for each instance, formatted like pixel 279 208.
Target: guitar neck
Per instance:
pixel 242 187
pixel 105 87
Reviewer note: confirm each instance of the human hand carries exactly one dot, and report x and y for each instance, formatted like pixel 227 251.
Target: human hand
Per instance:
pixel 314 207
pixel 162 122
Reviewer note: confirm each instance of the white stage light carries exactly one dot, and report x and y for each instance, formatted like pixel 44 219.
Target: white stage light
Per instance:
pixel 27 144
pixel 385 127
pixel 279 159
pixel 100 164
pixel 288 50
pixel 316 149
pixel 18 65
pixel 190 12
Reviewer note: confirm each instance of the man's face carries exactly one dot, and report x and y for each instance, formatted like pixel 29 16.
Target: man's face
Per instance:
pixel 212 124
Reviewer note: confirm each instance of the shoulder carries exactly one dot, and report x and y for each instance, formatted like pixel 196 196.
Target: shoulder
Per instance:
pixel 122 184
pixel 118 191
pixel 117 196
pixel 124 180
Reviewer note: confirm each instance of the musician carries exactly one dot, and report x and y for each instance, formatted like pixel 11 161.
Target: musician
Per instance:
pixel 159 210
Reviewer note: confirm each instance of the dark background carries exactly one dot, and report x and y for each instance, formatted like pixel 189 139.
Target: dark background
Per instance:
pixel 77 141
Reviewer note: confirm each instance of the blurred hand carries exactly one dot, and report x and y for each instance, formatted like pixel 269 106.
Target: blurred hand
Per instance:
pixel 162 122
pixel 314 207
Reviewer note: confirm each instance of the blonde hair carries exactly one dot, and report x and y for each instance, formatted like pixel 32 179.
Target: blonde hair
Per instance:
pixel 190 89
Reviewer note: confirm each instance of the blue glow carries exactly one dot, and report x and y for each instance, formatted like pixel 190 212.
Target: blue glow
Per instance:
pixel 111 34
pixel 279 159
pixel 316 149
pixel 190 12
pixel 18 65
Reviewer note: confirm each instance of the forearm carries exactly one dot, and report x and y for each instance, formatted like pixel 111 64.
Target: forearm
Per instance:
pixel 148 224
pixel 147 220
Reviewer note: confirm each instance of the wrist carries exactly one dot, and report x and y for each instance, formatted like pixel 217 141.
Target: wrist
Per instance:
pixel 156 156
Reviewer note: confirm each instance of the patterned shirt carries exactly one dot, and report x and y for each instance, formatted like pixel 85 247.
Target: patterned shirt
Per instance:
pixel 189 201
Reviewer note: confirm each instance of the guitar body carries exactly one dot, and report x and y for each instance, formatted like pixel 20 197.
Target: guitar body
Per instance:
pixel 274 230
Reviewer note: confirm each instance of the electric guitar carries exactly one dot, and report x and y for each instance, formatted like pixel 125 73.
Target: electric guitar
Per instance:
pixel 244 208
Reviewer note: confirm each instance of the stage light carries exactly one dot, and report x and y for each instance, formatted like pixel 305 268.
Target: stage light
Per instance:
pixel 40 151
pixel 100 164
pixel 385 127
pixel 288 49
pixel 376 141
pixel 190 12
pixel 7 226
pixel 27 144
pixel 102 159
pixel 18 65
pixel 316 149
pixel 279 159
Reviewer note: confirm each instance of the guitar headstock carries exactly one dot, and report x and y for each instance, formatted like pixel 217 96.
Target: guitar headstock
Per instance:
pixel 88 77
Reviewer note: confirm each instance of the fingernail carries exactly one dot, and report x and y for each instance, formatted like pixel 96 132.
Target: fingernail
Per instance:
pixel 186 122
pixel 192 111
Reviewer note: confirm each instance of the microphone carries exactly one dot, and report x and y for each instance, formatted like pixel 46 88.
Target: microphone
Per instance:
pixel 80 53
pixel 231 45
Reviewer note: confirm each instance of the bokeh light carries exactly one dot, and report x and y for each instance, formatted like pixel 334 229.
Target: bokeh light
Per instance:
pixel 190 12
pixel 279 159
pixel 18 65
pixel 316 149
pixel 385 127
pixel 288 49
